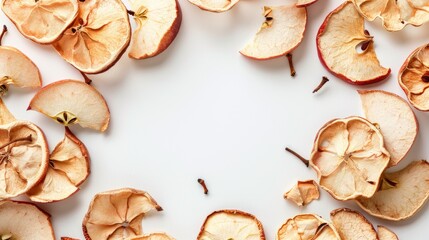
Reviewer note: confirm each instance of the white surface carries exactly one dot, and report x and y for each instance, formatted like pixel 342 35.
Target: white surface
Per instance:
pixel 202 110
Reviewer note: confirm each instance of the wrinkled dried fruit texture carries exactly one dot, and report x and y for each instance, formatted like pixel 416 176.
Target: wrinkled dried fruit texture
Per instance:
pixel 414 78
pixel 386 234
pixel 152 236
pixel 5 115
pixel 403 195
pixel 24 221
pixel 281 32
pixel 395 14
pixel 23 163
pixel 303 192
pixel 304 3
pixel 395 118
pixel 68 169
pixel 158 23
pixel 214 5
pixel 117 214
pixel 304 227
pixel 337 40
pixel 352 225
pixel 231 224
pixel 327 232
pixel 73 102
pixel 98 37
pixel 42 21
pixel 17 69
pixel 349 158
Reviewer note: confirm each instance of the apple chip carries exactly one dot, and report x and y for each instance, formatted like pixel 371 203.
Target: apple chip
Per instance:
pixel 401 194
pixel 158 23
pixel 352 225
pixel 152 236
pixel 414 78
pixel 21 220
pixel 70 101
pixel 231 224
pixel 117 214
pixel 340 35
pixel 280 33
pixel 214 5
pixel 68 169
pixel 386 234
pixel 98 37
pixel 306 227
pixel 349 158
pixel 395 118
pixel 42 21
pixel 303 192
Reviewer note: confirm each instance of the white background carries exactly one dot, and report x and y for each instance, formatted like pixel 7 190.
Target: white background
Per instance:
pixel 201 109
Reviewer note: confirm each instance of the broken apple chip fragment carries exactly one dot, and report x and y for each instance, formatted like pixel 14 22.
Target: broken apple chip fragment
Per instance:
pixel 352 225
pixel 231 224
pixel 214 5
pixel 306 227
pixel 386 234
pixel 303 192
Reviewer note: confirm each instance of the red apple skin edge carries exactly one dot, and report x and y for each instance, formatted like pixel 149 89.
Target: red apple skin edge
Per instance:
pixel 340 76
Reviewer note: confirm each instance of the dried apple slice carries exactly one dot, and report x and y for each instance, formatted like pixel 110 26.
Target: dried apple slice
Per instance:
pixel 231 224
pixel 352 225
pixel 214 5
pixel 42 21
pixel 326 232
pixel 306 227
pixel 117 214
pixel 158 23
pixel 338 37
pixel 21 220
pixel 68 169
pixel 349 158
pixel 152 236
pixel 98 37
pixel 386 234
pixel 280 33
pixel 75 103
pixel 414 78
pixel 303 192
pixel 395 118
pixel 401 195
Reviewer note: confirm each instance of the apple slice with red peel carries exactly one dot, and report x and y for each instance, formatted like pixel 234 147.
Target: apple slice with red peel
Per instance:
pixel 304 3
pixel 158 23
pixel 98 37
pixel 303 192
pixel 401 194
pixel 152 236
pixel 280 33
pixel 306 227
pixel 71 101
pixel 231 224
pixel 352 225
pixel 20 220
pixel 386 234
pixel 42 21
pixel 118 213
pixel 394 117
pixel 338 37
pixel 214 5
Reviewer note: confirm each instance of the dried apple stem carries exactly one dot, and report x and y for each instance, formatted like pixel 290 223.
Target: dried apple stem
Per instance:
pixel 131 12
pixel 203 184
pixel 26 139
pixel 321 84
pixel 3 32
pixel 305 161
pixel 425 77
pixel 292 68
pixel 87 79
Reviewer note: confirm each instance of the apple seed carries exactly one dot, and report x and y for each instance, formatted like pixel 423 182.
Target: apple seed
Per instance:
pixel 66 118
pixel 268 14
pixel 425 77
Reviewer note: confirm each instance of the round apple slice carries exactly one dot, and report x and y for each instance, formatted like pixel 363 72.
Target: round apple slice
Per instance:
pixel 352 225
pixel 395 118
pixel 117 214
pixel 21 220
pixel 306 227
pixel 98 37
pixel 42 21
pixel 152 236
pixel 280 33
pixel 401 195
pixel 349 158
pixel 68 169
pixel 231 224
pixel 158 23
pixel 214 5
pixel 414 78
pixel 71 101
pixel 386 234
pixel 339 36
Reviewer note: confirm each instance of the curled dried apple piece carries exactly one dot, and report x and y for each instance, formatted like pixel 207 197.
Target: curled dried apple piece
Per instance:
pixel 280 33
pixel 75 103
pixel 231 224
pixel 117 214
pixel 401 195
pixel 337 39
pixel 97 38
pixel 305 227
pixel 68 169
pixel 394 117
pixel 21 220
pixel 214 5
pixel 152 236
pixel 414 78
pixel 42 21
pixel 352 225
pixel 303 192
pixel 349 158
pixel 386 234
pixel 158 23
